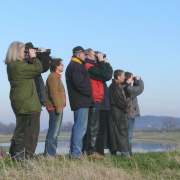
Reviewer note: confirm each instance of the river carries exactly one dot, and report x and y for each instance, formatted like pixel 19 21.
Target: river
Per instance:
pixel 63 147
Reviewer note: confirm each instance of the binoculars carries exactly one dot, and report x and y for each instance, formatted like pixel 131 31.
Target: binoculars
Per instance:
pixel 38 51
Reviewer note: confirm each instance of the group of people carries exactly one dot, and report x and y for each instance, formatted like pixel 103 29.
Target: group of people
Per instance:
pixel 104 116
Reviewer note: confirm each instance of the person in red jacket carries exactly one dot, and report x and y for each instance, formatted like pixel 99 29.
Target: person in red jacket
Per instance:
pixel 97 73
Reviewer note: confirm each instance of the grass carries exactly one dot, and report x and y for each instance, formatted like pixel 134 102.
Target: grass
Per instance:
pixel 152 165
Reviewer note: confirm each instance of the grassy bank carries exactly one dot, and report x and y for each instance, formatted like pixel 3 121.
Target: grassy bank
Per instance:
pixel 153 165
pixel 157 137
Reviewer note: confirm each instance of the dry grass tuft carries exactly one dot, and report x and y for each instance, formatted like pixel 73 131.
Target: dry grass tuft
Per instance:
pixel 66 169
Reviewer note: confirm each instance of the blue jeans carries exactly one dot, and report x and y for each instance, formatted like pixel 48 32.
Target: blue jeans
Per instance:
pixel 131 123
pixel 55 121
pixel 78 131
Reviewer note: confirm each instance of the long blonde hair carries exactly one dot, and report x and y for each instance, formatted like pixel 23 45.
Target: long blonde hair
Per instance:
pixel 14 52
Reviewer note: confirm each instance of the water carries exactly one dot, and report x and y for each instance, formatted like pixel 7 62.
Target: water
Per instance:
pixel 63 147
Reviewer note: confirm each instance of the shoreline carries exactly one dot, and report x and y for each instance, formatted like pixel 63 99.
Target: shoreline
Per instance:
pixel 138 137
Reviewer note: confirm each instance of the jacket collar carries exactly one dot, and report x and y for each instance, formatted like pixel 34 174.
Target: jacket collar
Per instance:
pixel 126 83
pixel 90 61
pixel 116 82
pixel 77 60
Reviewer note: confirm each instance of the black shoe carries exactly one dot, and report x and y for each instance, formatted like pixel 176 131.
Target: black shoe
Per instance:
pixel 113 153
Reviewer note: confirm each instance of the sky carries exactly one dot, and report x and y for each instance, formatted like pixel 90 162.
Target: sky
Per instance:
pixel 142 37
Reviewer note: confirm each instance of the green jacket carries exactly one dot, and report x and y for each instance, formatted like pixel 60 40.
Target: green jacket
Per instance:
pixel 23 94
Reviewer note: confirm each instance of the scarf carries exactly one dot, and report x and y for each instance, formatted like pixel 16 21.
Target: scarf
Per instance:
pixel 59 75
pixel 120 86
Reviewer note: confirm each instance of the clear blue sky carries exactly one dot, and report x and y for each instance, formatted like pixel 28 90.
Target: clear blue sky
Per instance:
pixel 139 36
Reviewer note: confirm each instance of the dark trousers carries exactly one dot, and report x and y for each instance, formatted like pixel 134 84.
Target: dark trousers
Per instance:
pixel 16 148
pixel 31 137
pixel 101 141
pixel 92 129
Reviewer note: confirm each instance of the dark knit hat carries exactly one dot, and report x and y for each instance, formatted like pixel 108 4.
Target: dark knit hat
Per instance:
pixel 78 49
pixel 29 45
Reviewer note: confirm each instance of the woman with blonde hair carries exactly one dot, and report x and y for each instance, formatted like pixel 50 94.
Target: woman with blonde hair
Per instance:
pixel 23 95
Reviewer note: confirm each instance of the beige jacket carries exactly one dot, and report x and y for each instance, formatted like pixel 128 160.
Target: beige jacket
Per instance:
pixel 55 93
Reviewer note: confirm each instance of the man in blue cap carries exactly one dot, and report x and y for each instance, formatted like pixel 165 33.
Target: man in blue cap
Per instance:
pixel 80 97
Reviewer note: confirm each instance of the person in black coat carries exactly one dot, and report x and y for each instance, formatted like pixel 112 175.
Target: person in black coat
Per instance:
pixel 117 125
pixel 80 98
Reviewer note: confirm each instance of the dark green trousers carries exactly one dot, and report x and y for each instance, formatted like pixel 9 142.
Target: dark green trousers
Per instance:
pixel 31 137
pixel 16 148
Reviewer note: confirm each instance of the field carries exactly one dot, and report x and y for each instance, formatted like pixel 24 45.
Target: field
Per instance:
pixel 157 137
pixel 42 136
pixel 152 165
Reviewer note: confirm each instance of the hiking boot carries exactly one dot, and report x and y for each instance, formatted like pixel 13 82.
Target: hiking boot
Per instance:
pixel 113 153
pixel 125 154
pixel 129 157
pixel 96 156
pixel 77 157
pixel 29 157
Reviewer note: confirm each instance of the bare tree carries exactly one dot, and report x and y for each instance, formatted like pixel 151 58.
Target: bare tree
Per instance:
pixel 67 126
pixel 6 129
pixel 169 123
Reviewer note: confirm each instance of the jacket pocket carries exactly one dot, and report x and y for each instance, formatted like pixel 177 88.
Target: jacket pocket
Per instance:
pixel 30 105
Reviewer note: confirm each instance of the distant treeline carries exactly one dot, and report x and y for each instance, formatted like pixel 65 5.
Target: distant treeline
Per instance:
pixel 8 129
pixel 157 123
pixel 144 123
pixel 66 127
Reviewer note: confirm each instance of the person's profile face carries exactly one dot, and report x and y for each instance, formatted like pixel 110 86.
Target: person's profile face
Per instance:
pixel 22 52
pixel 130 79
pixel 82 56
pixel 121 78
pixel 92 56
pixel 59 68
